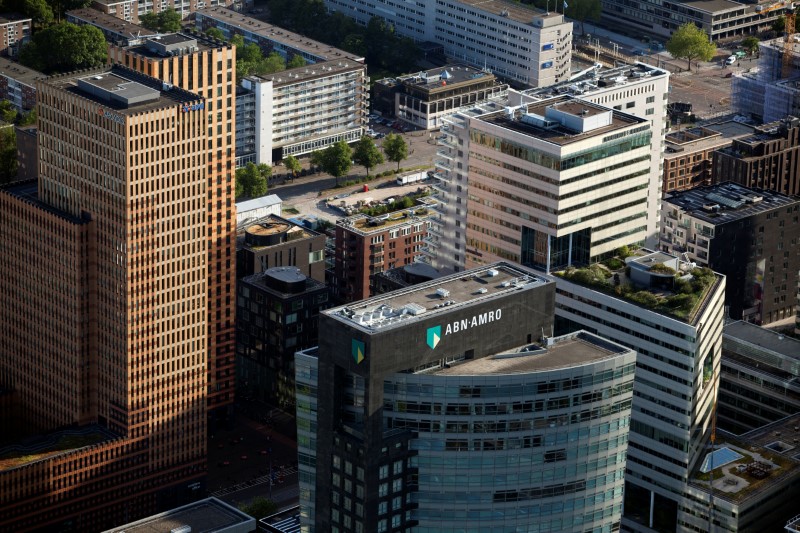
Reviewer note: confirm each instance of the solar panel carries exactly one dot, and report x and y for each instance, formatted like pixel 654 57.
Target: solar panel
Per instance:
pixel 724 200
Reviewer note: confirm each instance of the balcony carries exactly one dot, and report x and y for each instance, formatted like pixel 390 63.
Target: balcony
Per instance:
pixel 446 154
pixel 428 251
pixel 423 259
pixel 442 187
pixel 442 176
pixel 431 241
pixel 439 163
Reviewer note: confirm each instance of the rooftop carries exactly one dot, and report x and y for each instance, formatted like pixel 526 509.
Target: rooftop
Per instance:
pixel 434 78
pixel 713 6
pixel 576 349
pixel 125 91
pixel 257 203
pixel 321 51
pixel 284 281
pixel 287 521
pixel 365 225
pixel 564 120
pixel 19 72
pixel 703 138
pixel 656 281
pixel 57 442
pixel 253 233
pixel 29 192
pixel 308 72
pixel 173 44
pixel 437 296
pixel 726 202
pixel 598 80
pixel 511 10
pixel 769 454
pixel 126 30
pixel 764 340
pixel 203 516
pixel 6 18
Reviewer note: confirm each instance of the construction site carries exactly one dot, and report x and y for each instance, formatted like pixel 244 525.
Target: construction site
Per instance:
pixel 771 91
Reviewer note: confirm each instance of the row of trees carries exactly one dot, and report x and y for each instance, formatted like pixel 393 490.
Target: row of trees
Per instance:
pixel 338 158
pixel 250 59
pixel 42 12
pixel 252 181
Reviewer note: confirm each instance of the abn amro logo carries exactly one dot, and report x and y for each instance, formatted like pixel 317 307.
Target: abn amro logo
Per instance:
pixel 434 336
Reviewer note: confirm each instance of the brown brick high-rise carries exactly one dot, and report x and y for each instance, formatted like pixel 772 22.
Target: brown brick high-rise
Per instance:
pixel 207 67
pixel 103 306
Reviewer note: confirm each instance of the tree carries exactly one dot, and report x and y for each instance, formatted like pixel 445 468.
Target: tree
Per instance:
pixel 166 21
pixel 367 154
pixel 750 44
pixel 7 112
pixel 27 119
pixel 252 180
pixel 215 33
pixel 38 10
pixel 395 148
pixel 259 508
pixel 690 42
pixel 779 26
pixel 581 10
pixel 336 160
pixel 292 165
pixel 8 155
pixel 272 63
pixel 65 47
pixel 296 61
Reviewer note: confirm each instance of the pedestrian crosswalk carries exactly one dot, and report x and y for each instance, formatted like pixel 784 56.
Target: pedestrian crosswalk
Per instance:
pixel 276 477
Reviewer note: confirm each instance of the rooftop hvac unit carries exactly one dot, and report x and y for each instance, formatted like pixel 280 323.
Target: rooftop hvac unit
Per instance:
pixel 442 293
pixel 492 273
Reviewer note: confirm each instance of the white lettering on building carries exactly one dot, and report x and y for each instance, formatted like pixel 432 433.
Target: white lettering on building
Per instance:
pixel 477 320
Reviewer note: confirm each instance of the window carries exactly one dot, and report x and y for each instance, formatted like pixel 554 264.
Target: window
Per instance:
pixel 383 472
pixel 396 520
pixel 397 485
pixel 383 507
pixel 382 526
pixel 383 490
pixel 650 111
pixel 651 99
pixel 397 502
pixel 398 468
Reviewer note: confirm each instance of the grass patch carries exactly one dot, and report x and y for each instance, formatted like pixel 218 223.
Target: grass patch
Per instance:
pixel 290 211
pixel 64 443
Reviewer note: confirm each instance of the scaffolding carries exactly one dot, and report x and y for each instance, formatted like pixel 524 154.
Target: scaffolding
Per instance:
pixel 771 90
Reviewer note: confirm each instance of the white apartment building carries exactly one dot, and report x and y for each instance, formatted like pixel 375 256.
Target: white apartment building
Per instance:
pixel 642 91
pixel 514 41
pixel 297 111
pixel 676 384
pixel 131 10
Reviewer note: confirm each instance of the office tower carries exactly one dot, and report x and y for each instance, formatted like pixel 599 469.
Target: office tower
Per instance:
pixel 208 68
pixel 759 382
pixel 367 245
pixel 425 97
pixel 515 42
pixel 767 159
pixel 103 278
pixel 279 314
pixel 437 408
pixel 273 241
pixel 676 329
pixel 551 184
pixel 748 235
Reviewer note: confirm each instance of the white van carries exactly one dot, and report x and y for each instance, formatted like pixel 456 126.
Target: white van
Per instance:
pixel 731 60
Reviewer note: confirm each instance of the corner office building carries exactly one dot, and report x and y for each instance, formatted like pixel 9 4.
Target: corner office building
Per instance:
pixel 103 306
pixel 437 413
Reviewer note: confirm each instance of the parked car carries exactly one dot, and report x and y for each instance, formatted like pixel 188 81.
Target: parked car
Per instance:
pixel 731 60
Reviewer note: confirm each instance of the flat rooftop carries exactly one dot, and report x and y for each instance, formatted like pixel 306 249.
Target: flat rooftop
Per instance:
pixel 29 192
pixel 43 446
pixel 109 23
pixel 560 134
pixel 149 46
pixel 599 80
pixel 511 10
pixel 125 91
pixel 204 516
pixel 577 349
pixel 432 79
pixel 764 339
pixel 438 296
pixel 271 225
pixel 7 18
pixel 277 34
pixel 366 225
pixel 726 202
pixel 713 6
pixel 19 72
pixel 309 72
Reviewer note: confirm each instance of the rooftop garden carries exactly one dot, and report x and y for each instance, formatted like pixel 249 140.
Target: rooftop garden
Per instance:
pixel 677 294
pixel 17 455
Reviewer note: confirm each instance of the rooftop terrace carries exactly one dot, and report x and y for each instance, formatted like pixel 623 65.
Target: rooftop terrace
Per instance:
pixel 571 350
pixel 365 225
pixel 437 296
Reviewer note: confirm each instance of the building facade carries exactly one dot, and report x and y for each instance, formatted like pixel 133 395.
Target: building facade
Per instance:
pixel 131 10
pixel 748 235
pixel 676 383
pixel 770 91
pixel 118 31
pixel 759 382
pixel 445 418
pixel 273 241
pixel 120 355
pixel 18 84
pixel 688 154
pixel 515 42
pixel 301 110
pixel 369 245
pixel 279 314
pixel 207 67
pixel 767 159
pixel 721 19
pixel 14 31
pixel 425 98
pixel 27 152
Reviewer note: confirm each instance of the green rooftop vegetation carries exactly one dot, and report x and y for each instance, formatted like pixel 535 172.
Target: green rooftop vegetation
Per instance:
pixel 681 301
pixel 22 455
